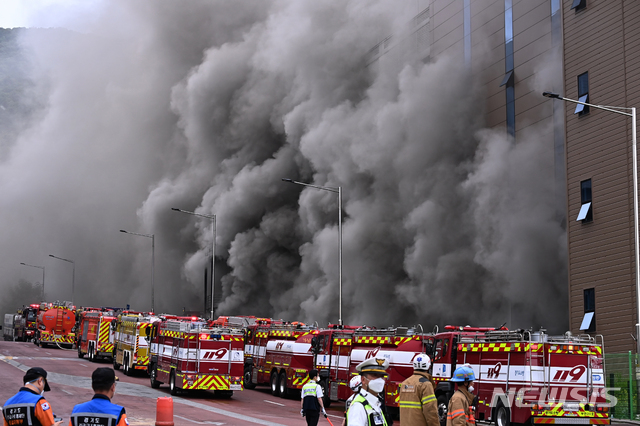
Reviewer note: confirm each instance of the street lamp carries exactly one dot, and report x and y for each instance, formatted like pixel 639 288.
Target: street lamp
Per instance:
pixel 153 245
pixel 338 191
pixel 632 114
pixel 39 267
pixel 213 249
pixel 73 277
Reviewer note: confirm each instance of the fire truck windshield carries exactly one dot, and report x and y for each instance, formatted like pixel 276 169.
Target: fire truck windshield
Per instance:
pixel 31 316
pixel 442 348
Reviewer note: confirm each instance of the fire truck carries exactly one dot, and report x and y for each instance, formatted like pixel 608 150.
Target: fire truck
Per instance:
pixel 131 347
pixel 189 355
pixel 95 336
pixel 524 376
pixel 25 323
pixel 399 345
pixel 56 324
pixel 278 354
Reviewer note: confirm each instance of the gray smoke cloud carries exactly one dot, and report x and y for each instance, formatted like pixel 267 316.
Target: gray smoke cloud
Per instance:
pixel 207 107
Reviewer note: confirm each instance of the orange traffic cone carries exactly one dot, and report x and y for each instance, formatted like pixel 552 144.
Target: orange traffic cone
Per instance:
pixel 164 411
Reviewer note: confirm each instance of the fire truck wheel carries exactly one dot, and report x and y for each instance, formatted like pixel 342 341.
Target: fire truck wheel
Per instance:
pixel 502 416
pixel 153 374
pixel 125 367
pixel 80 353
pixel 247 380
pixel 92 356
pixel 116 366
pixel 326 399
pixel 275 389
pixel 442 409
pixel 282 384
pixel 173 389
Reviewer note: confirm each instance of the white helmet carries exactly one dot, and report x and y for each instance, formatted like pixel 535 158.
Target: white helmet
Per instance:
pixel 355 383
pixel 422 362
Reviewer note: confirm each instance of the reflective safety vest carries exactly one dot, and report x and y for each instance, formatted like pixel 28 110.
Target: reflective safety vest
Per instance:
pixel 99 411
pixel 310 397
pixel 375 418
pixel 21 409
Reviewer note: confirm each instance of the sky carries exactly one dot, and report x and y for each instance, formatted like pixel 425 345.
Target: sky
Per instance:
pixel 147 106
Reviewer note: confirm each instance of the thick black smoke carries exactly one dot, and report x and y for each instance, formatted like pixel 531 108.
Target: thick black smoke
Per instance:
pixel 207 107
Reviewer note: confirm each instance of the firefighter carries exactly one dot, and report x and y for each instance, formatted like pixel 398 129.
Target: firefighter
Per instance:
pixel 355 384
pixel 460 412
pixel 366 408
pixel 28 406
pixel 311 402
pixel 418 403
pixel 100 409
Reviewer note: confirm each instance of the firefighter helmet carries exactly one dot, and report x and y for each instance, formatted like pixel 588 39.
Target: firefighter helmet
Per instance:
pixel 355 383
pixel 463 374
pixel 422 362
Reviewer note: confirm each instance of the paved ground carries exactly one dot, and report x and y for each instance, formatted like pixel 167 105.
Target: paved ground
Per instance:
pixel 70 380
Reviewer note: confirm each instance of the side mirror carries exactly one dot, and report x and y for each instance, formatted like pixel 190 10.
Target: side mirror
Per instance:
pixel 429 349
pixel 147 331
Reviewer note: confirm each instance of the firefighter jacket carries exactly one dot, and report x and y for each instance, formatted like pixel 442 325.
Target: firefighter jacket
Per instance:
pixel 418 403
pixel 99 411
pixel 460 412
pixel 27 407
pixel 366 410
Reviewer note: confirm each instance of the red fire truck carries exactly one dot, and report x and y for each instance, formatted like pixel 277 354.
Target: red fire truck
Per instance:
pixel 29 314
pixel 95 335
pixel 56 324
pixel 278 354
pixel 188 355
pixel 399 345
pixel 524 376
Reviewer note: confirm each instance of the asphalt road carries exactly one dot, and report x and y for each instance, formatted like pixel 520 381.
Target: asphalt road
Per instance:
pixel 70 381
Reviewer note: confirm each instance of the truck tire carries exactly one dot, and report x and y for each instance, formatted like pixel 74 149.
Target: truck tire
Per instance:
pixel 153 374
pixel 282 385
pixel 80 353
pixel 248 384
pixel 92 356
pixel 443 408
pixel 173 389
pixel 275 390
pixel 326 398
pixel 116 366
pixel 503 417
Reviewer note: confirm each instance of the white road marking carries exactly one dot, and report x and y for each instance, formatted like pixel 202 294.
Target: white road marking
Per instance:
pixel 275 403
pixel 200 423
pixel 67 392
pixel 84 365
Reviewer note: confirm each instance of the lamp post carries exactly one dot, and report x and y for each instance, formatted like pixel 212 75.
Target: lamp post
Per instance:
pixel 152 236
pixel 213 249
pixel 632 114
pixel 39 267
pixel 73 277
pixel 338 191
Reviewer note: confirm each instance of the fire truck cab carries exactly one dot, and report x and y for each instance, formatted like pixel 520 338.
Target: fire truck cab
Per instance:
pixel 524 376
pixel 400 346
pixel 189 355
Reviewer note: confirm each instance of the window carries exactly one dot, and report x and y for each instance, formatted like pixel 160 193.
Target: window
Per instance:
pixel 578 5
pixel 583 94
pixel 589 320
pixel 585 214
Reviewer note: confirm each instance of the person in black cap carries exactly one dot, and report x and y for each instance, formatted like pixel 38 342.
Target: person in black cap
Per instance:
pixel 28 406
pixel 100 410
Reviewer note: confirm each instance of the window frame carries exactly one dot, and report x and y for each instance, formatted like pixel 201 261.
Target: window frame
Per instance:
pixel 583 94
pixel 586 201
pixel 589 299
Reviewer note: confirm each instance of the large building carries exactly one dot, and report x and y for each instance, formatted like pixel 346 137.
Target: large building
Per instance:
pixel 582 49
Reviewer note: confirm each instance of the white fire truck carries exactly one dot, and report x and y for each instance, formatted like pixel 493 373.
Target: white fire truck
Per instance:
pixel 131 346
pixel 524 376
pixel 189 355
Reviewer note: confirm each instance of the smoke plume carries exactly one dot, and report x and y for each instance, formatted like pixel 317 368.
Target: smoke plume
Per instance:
pixel 153 105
